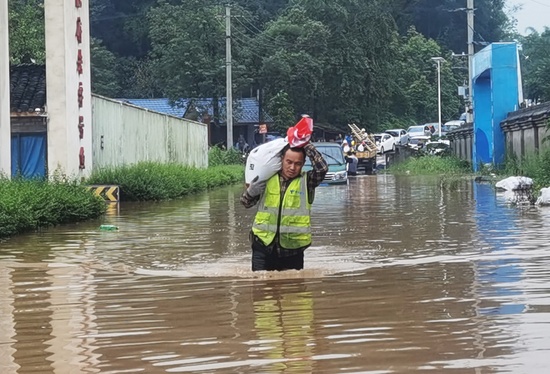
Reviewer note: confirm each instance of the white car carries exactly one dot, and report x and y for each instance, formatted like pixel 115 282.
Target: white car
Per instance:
pixel 421 130
pixel 453 125
pixel 384 142
pixel 401 136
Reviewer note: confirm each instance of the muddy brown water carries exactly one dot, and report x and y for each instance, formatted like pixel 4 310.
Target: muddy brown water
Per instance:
pixel 404 276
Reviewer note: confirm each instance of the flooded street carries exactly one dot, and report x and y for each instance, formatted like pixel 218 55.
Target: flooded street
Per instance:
pixel 403 276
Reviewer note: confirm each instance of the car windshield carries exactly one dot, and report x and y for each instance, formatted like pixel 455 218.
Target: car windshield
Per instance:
pixel 377 137
pixel 393 133
pixel 332 155
pixel 416 129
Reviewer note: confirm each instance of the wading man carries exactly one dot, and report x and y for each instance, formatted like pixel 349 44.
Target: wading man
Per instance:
pixel 282 229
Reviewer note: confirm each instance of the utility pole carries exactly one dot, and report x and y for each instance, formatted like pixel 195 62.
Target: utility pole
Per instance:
pixel 5 124
pixel 470 101
pixel 229 82
pixel 438 60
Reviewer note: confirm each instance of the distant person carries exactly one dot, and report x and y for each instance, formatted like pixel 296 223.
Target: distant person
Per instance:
pixel 242 145
pixel 432 130
pixel 351 161
pixel 282 230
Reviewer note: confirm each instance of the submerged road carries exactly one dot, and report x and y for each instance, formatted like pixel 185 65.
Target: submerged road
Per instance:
pixel 404 276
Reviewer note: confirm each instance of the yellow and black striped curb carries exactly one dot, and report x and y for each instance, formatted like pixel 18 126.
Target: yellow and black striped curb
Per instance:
pixel 109 193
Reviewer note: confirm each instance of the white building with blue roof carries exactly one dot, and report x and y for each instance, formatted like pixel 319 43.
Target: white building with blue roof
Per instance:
pixel 246 113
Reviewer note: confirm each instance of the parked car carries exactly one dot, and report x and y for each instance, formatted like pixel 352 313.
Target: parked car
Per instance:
pixel 438 147
pixel 384 142
pixel 420 130
pixel 332 153
pixel 453 125
pixel 435 126
pixel 401 136
pixel 419 142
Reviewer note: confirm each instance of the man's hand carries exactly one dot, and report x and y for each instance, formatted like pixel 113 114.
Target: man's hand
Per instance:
pixel 256 187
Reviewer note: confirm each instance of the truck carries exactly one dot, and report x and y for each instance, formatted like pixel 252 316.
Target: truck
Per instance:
pixel 365 150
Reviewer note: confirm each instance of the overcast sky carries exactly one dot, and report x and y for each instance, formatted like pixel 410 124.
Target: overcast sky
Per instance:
pixel 534 13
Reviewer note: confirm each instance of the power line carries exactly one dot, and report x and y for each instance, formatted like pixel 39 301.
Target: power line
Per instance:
pixel 538 2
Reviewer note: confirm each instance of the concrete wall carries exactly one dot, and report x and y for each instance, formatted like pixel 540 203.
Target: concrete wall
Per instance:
pixel 5 127
pixel 126 134
pixel 525 129
pixel 462 141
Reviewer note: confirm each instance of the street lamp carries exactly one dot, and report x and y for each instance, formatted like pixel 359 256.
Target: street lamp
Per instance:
pixel 439 60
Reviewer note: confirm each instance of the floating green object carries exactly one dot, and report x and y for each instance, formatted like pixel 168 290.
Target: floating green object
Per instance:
pixel 108 228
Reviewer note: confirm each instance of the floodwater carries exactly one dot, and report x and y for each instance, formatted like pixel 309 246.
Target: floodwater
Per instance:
pixel 404 276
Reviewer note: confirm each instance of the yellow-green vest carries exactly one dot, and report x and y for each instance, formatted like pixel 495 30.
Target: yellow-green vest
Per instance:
pixel 294 214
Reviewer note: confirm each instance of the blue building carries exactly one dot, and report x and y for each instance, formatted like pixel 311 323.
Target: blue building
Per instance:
pixel 496 81
pixel 246 113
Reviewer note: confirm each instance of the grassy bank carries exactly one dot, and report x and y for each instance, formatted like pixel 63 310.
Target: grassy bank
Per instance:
pixel 432 165
pixel 535 166
pixel 29 205
pixel 155 181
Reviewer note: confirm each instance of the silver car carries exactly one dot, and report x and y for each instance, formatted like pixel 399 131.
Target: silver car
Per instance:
pixel 401 136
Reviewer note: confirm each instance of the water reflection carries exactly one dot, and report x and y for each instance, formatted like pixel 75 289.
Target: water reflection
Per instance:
pixel 283 321
pixel 404 275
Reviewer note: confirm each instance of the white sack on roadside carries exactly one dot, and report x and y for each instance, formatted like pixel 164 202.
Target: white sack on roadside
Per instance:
pixel 544 198
pixel 514 183
pixel 264 161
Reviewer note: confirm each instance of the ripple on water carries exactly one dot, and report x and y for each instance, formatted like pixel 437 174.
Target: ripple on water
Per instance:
pixel 404 276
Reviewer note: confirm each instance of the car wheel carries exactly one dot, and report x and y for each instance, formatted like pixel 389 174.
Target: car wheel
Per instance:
pixel 393 147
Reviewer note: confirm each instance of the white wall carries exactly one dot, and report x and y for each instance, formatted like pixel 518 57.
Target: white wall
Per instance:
pixel 5 127
pixel 131 134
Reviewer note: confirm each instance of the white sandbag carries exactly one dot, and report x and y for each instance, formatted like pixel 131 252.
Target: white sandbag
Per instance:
pixel 514 183
pixel 544 198
pixel 264 161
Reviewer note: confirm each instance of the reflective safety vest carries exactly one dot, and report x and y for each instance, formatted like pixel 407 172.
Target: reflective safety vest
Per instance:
pixel 292 217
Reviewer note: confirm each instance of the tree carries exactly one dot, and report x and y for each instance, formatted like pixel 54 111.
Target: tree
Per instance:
pixel 104 80
pixel 535 63
pixel 26 28
pixel 415 95
pixel 282 112
pixel 446 20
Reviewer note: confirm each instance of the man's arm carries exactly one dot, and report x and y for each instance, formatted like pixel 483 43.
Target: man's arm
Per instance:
pixel 252 194
pixel 249 201
pixel 320 168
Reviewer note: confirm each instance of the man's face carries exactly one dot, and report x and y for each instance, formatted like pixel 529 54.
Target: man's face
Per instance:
pixel 293 162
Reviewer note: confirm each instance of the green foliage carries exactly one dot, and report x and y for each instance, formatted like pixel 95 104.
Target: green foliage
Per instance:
pixel 219 157
pixel 104 80
pixel 536 65
pixel 155 181
pixel 281 110
pixel 188 48
pixel 427 165
pixel 31 204
pixel 26 28
pixel 535 166
pixel 445 20
pixel 415 97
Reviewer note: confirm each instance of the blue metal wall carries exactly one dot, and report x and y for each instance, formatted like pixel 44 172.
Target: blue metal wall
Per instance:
pixel 28 155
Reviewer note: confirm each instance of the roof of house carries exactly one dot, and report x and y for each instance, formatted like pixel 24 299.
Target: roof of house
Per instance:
pixel 245 110
pixel 27 88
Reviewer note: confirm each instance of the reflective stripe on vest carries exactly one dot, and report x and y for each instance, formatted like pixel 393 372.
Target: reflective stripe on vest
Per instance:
pixel 295 226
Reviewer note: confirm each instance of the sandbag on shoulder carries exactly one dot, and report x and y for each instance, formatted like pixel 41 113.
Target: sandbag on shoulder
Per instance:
pixel 264 161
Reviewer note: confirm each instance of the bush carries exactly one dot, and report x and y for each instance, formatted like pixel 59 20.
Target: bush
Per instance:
pixel 155 181
pixel 218 157
pixel 535 166
pixel 30 204
pixel 426 165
